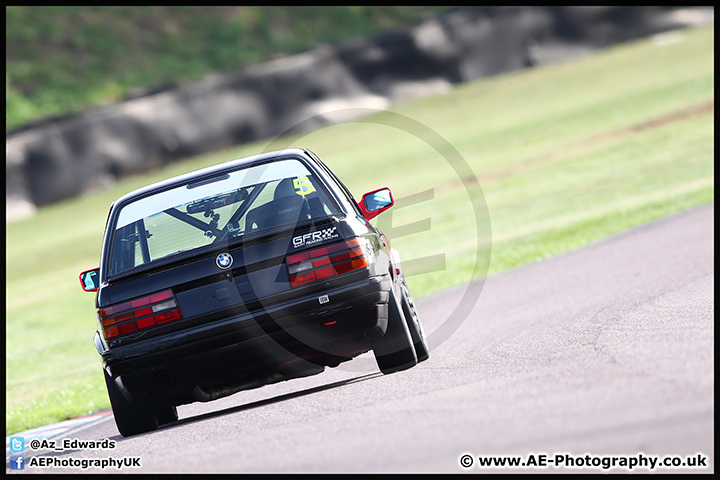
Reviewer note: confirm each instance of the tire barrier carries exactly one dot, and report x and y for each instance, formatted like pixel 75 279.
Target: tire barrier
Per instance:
pixel 56 159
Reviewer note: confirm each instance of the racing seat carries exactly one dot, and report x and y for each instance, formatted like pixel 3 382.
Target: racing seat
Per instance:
pixel 286 207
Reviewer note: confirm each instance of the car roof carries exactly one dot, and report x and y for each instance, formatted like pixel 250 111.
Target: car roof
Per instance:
pixel 209 171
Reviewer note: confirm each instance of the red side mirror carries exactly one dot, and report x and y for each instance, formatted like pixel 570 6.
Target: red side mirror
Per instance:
pixel 90 279
pixel 375 202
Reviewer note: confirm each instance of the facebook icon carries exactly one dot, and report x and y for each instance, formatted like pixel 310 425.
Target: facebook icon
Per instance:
pixel 17 462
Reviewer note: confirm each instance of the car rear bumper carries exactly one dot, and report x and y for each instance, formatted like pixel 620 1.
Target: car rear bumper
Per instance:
pixel 296 337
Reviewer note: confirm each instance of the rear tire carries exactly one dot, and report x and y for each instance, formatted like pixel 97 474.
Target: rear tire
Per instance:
pixel 413 320
pixel 394 351
pixel 130 418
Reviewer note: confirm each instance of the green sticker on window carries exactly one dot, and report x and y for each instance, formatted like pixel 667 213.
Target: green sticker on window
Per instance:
pixel 303 186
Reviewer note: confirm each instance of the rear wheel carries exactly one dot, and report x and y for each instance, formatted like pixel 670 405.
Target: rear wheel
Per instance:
pixel 130 418
pixel 394 351
pixel 413 321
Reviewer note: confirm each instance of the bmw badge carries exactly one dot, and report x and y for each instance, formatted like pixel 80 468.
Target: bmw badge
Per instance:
pixel 224 260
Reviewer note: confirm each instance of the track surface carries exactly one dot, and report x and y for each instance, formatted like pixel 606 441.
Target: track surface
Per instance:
pixel 606 350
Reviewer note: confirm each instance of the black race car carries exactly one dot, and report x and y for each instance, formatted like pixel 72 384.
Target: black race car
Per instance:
pixel 240 275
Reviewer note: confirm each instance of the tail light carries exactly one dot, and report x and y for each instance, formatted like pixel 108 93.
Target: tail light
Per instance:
pixel 139 313
pixel 320 263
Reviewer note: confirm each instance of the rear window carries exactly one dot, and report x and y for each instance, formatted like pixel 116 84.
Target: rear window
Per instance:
pixel 196 215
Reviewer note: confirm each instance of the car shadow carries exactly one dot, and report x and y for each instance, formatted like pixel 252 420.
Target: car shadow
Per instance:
pixel 269 401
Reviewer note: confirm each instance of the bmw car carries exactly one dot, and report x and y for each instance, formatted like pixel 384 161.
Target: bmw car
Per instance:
pixel 240 275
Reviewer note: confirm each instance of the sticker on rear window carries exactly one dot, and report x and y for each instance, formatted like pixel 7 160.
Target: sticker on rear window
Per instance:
pixel 303 186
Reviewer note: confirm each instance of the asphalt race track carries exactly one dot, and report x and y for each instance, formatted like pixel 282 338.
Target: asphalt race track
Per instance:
pixel 603 354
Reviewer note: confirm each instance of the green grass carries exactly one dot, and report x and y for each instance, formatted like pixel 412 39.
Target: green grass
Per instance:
pixel 562 156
